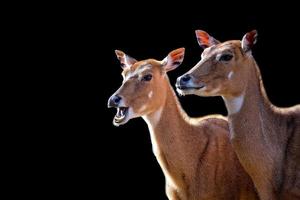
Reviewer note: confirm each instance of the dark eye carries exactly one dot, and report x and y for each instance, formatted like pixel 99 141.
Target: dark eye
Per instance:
pixel 147 77
pixel 225 57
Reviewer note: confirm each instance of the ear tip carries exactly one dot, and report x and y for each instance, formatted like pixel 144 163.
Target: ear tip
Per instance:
pixel 202 34
pixel 178 51
pixel 253 32
pixel 119 52
pixel 199 30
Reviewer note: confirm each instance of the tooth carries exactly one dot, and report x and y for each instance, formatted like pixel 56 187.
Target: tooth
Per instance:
pixel 120 115
pixel 118 112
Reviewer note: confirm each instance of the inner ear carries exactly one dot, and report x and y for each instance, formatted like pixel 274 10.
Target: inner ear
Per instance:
pixel 249 40
pixel 205 40
pixel 174 59
pixel 125 60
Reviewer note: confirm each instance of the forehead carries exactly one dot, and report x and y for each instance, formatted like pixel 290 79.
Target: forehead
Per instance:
pixel 233 45
pixel 141 66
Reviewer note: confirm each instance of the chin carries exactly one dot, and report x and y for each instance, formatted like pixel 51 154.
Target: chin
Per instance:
pixel 192 91
pixel 119 123
pixel 185 91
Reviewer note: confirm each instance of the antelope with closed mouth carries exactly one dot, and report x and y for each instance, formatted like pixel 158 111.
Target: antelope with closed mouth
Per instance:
pixel 266 138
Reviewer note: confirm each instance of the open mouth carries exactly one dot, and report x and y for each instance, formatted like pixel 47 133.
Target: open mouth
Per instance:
pixel 120 115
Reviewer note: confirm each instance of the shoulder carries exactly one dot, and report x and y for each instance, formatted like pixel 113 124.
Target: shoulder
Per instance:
pixel 211 122
pixel 217 120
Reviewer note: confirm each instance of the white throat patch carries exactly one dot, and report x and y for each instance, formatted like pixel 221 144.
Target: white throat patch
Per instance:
pixel 154 119
pixel 234 105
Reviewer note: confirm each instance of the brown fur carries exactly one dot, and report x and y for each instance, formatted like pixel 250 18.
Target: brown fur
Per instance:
pixel 266 138
pixel 195 155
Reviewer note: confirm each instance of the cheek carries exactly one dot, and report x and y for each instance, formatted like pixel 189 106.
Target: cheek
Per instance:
pixel 205 73
pixel 207 69
pixel 216 84
pixel 140 104
pixel 141 99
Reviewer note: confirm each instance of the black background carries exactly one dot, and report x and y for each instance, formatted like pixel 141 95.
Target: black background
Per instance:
pixel 80 152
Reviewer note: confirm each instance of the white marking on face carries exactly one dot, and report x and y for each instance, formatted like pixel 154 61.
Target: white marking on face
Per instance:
pixel 138 71
pixel 150 94
pixel 235 104
pixel 146 65
pixel 218 56
pixel 230 75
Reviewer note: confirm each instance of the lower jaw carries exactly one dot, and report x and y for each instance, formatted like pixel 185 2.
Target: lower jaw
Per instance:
pixel 190 91
pixel 118 123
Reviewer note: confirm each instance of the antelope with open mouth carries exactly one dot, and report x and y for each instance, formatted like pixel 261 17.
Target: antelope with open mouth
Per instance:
pixel 195 154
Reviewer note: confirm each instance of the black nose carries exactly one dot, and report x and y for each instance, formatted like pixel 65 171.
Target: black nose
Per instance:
pixel 185 78
pixel 114 101
pixel 182 81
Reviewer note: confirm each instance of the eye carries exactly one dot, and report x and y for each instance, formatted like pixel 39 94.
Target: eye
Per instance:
pixel 147 77
pixel 225 57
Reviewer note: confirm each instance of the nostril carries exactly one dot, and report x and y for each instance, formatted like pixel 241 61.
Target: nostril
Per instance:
pixel 116 99
pixel 186 78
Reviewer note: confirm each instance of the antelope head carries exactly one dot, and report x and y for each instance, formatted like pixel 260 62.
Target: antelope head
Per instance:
pixel 221 70
pixel 143 89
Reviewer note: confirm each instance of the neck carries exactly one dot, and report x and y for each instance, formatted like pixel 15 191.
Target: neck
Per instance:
pixel 234 104
pixel 167 126
pixel 251 104
pixel 253 94
pixel 250 114
pixel 166 122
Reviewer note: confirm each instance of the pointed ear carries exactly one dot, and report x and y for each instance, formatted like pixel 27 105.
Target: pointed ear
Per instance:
pixel 249 40
pixel 125 60
pixel 205 40
pixel 173 60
